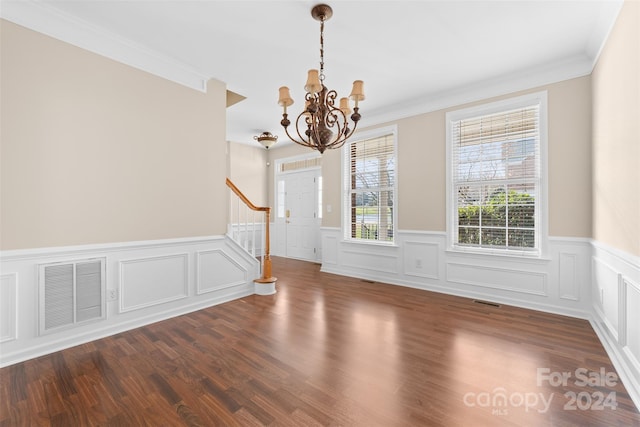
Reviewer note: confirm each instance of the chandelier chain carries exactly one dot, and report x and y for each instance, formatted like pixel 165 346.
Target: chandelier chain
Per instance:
pixel 322 49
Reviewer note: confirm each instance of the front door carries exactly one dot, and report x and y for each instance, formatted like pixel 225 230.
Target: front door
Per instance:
pixel 302 224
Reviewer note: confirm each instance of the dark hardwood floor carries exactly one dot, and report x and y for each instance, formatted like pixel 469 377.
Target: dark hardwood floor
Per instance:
pixel 328 350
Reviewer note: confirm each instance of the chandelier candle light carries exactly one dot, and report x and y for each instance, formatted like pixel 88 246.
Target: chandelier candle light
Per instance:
pixel 322 125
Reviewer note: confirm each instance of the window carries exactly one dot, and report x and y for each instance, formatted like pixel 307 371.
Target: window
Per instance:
pixel 370 181
pixel 495 179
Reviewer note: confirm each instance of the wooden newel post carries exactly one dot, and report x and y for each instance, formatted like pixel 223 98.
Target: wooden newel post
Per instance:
pixel 266 266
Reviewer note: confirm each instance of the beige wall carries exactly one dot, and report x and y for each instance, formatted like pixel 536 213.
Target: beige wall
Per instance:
pixel 86 141
pixel 422 165
pixel 94 151
pixel 616 135
pixel 248 171
pixel 569 159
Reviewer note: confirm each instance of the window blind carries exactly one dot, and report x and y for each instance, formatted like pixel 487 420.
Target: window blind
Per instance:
pixel 496 178
pixel 370 172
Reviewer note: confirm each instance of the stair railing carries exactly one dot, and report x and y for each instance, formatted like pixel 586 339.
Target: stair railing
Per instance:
pixel 243 232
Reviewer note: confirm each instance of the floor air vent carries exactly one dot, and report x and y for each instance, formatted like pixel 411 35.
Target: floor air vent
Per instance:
pixel 71 293
pixel 492 304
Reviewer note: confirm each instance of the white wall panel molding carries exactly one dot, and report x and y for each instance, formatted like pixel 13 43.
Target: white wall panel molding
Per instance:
pixel 616 311
pixel 422 259
pixel 149 281
pixel 630 324
pixel 528 282
pixel 630 264
pixel 81 251
pixel 145 282
pixel 569 286
pixel 45 19
pixel 607 287
pixel 629 337
pixel 329 239
pixel 216 270
pixel 558 283
pixel 375 258
pixel 8 300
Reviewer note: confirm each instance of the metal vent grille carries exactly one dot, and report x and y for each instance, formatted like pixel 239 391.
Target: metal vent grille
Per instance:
pixel 71 293
pixel 489 303
pixel 58 296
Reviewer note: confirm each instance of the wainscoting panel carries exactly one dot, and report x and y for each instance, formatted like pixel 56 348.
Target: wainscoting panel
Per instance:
pixel 568 284
pixel 422 259
pixel 632 321
pixel 616 311
pixel 419 259
pixel 534 283
pixel 8 300
pixel 376 261
pixel 607 287
pixel 329 241
pixel 146 282
pixel 216 270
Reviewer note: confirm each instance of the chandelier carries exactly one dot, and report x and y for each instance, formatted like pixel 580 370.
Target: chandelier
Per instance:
pixel 322 125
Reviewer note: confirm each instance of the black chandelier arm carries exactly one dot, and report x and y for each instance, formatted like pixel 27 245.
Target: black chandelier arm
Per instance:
pixel 301 140
pixel 330 120
pixel 329 96
pixel 297 141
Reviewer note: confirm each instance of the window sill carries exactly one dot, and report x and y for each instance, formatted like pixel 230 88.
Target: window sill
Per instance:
pixel 371 243
pixel 499 254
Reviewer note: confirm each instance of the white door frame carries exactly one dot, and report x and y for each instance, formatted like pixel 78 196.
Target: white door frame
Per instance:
pixel 279 237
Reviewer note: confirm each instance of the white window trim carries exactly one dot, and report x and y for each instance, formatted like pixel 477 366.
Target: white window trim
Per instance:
pixel 359 136
pixel 542 213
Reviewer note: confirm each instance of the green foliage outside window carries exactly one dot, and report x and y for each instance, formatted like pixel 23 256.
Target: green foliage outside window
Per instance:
pixel 500 222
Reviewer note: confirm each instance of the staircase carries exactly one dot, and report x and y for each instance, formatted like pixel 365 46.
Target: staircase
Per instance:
pixel 243 228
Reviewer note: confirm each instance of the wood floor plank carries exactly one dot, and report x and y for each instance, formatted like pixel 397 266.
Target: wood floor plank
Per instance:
pixel 326 350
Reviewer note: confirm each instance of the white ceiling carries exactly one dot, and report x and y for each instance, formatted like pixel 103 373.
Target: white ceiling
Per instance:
pixel 414 56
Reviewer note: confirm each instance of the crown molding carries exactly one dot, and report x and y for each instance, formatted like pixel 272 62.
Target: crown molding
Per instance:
pixel 602 29
pixel 45 19
pixel 524 80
